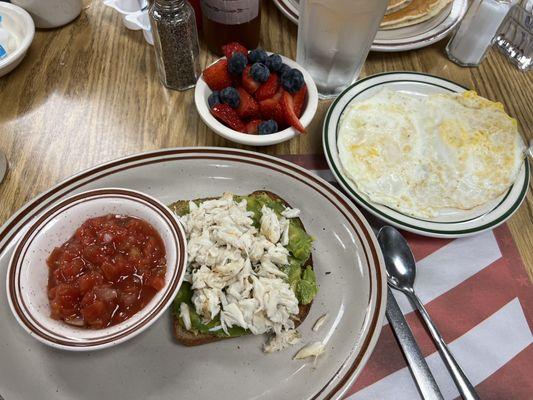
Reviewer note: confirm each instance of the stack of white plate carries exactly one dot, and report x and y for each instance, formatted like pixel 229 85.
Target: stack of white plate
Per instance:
pixel 402 39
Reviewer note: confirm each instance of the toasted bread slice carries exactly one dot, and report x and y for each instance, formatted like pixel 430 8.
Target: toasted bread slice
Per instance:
pixel 189 338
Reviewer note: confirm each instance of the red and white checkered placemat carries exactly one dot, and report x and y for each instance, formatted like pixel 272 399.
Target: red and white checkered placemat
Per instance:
pixel 480 297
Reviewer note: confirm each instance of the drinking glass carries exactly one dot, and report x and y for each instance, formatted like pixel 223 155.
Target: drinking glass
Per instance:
pixel 334 38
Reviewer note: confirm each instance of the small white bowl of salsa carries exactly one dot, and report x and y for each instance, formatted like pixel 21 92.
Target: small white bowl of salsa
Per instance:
pixel 96 269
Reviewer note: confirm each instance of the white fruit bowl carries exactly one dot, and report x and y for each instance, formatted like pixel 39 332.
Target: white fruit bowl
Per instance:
pixel 202 92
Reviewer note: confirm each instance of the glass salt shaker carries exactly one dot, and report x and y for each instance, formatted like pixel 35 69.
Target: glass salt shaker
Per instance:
pixel 476 32
pixel 175 42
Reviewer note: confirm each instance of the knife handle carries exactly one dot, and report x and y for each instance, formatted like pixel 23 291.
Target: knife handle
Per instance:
pixel 424 380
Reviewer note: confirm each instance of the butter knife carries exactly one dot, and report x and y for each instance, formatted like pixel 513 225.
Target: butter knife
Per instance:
pixel 422 375
pixel 424 380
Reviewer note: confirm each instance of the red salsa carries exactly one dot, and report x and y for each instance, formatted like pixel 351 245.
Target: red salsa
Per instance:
pixel 109 270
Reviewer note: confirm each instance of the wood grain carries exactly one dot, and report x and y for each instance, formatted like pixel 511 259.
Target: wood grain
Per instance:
pixel 89 92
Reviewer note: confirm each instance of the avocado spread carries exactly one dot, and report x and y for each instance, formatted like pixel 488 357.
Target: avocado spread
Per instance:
pixel 301 278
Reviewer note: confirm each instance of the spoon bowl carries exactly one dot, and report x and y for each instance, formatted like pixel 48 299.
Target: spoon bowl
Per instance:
pixel 399 260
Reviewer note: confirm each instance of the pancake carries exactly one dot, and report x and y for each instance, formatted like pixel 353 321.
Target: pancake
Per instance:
pixel 416 12
pixel 397 5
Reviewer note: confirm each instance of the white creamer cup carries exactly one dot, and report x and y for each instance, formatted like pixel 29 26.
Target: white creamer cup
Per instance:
pixel 134 14
pixel 51 13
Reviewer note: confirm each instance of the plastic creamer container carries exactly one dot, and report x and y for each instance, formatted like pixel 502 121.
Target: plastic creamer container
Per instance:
pixel 9 41
pixel 16 34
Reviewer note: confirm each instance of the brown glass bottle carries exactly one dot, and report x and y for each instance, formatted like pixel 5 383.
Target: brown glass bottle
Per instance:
pixel 231 21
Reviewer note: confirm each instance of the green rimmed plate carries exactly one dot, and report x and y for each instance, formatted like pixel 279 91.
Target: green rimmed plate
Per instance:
pixel 455 223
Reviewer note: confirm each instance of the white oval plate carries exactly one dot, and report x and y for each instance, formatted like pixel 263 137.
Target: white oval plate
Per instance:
pixel 402 39
pixel 456 223
pixel 347 261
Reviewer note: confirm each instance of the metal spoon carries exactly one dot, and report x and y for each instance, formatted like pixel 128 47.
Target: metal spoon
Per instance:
pixel 401 272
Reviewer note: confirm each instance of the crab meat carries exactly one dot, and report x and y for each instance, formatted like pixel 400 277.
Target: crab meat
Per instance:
pixel 319 322
pixel 314 349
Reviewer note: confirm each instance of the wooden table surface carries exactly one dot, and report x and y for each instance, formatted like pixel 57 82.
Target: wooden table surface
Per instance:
pixel 89 92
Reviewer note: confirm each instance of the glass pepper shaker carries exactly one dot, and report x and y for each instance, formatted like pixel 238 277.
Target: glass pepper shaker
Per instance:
pixel 175 42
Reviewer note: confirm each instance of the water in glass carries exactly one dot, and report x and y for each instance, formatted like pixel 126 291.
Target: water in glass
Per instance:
pixel 334 38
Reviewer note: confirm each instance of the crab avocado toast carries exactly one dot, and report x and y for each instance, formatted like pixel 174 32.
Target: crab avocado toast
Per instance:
pixel 298 273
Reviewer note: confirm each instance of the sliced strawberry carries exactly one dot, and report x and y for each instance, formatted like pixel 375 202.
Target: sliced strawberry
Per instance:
pixel 268 89
pixel 235 80
pixel 248 107
pixel 248 82
pixel 271 108
pixel 299 100
pixel 287 104
pixel 233 47
pixel 217 76
pixel 228 116
pixel 251 127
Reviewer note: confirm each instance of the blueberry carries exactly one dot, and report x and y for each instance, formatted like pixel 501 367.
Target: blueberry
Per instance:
pixel 257 55
pixel 267 127
pixel 237 63
pixel 259 72
pixel 213 99
pixel 274 62
pixel 284 68
pixel 292 80
pixel 230 96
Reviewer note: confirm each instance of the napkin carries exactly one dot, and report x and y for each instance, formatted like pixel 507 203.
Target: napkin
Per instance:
pixel 479 295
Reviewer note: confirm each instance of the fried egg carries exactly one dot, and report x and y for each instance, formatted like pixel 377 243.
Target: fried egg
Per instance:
pixel 426 155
